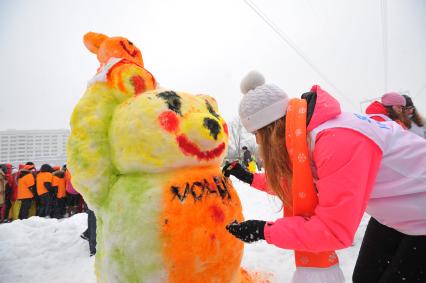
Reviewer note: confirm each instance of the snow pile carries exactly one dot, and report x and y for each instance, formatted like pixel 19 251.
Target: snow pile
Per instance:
pixel 50 250
pixel 45 250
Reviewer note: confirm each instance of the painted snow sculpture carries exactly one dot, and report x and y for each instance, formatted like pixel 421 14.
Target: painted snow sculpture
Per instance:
pixel 147 161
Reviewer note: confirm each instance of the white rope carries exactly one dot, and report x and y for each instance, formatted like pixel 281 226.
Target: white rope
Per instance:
pixel 290 43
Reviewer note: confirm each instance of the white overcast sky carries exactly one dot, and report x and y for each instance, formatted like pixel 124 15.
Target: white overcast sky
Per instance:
pixel 207 47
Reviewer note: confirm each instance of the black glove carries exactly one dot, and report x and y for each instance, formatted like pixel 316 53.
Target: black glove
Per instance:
pixel 247 231
pixel 235 169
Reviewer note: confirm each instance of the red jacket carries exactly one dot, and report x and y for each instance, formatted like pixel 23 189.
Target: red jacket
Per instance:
pixel 376 108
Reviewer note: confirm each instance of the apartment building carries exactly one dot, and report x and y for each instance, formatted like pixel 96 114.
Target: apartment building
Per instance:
pixel 38 146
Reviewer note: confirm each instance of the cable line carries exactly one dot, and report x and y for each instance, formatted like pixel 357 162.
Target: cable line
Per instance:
pixel 290 43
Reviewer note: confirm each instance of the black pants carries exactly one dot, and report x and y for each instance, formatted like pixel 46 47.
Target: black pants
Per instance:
pixel 43 208
pixel 389 256
pixel 52 205
pixel 91 230
pixel 8 203
pixel 25 208
pixel 60 208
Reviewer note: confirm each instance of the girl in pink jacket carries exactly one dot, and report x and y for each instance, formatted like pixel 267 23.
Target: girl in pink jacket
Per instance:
pixel 358 165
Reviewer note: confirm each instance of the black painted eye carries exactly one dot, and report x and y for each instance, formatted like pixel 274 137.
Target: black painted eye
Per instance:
pixel 213 126
pixel 129 42
pixel 173 101
pixel 211 110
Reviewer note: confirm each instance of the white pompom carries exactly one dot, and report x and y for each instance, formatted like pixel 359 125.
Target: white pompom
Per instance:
pixel 252 80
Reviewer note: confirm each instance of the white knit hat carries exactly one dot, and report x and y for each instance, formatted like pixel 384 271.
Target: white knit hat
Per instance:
pixel 262 103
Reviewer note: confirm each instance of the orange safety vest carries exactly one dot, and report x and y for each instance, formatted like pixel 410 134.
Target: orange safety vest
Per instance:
pixel 60 183
pixel 24 184
pixel 43 177
pixel 304 194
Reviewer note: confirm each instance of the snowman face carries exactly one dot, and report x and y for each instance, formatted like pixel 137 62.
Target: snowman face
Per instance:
pixel 162 129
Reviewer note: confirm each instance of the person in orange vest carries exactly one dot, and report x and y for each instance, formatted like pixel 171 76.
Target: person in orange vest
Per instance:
pixel 53 196
pixel 58 184
pixel 26 190
pixel 44 189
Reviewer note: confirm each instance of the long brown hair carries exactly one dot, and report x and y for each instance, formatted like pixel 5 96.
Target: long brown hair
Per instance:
pixel 401 117
pixel 276 160
pixel 417 118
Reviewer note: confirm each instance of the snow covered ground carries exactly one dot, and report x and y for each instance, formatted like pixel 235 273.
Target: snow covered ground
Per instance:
pixel 49 250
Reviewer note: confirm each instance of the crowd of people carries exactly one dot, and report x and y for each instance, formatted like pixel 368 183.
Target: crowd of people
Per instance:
pixel 399 108
pixel 46 192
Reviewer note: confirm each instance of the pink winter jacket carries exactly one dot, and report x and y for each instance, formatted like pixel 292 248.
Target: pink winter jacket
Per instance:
pixel 347 163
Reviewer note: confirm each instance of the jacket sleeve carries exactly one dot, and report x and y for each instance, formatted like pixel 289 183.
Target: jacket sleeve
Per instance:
pixel 347 164
pixel 259 182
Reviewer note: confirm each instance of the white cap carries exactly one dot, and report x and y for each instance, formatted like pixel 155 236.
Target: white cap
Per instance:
pixel 262 103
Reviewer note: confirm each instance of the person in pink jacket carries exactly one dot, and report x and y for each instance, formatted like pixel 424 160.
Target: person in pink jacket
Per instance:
pixel 73 197
pixel 359 165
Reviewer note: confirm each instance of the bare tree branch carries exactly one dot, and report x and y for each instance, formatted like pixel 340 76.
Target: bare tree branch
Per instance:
pixel 239 137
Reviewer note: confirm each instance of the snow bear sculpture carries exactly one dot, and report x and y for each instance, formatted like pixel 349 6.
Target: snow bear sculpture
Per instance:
pixel 147 161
